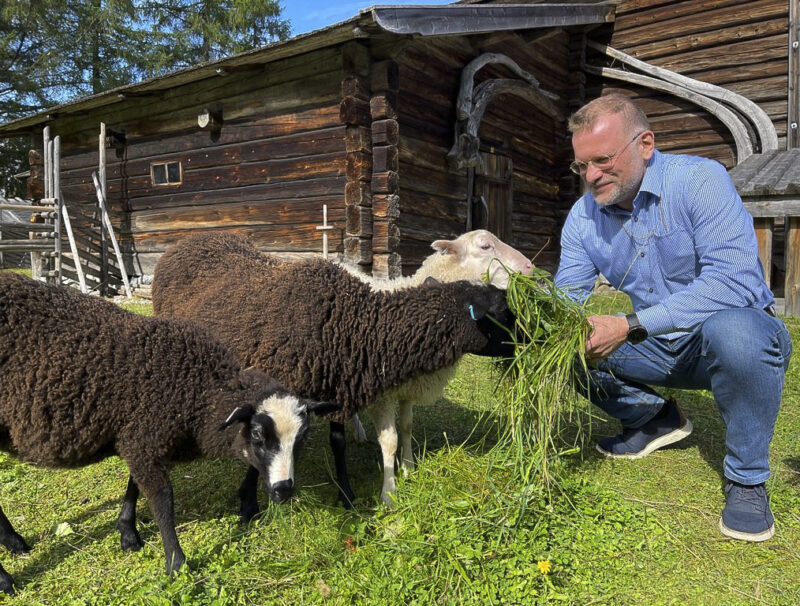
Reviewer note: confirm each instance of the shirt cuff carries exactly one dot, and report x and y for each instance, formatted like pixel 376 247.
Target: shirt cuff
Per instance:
pixel 656 320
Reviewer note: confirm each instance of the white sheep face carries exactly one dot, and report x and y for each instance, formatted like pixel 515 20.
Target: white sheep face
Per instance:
pixel 277 428
pixel 474 255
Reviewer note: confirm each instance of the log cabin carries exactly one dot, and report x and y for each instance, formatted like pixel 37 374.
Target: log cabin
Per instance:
pixel 412 123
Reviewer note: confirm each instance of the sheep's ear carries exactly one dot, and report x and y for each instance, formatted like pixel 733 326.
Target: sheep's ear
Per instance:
pixel 445 247
pixel 430 280
pixel 321 408
pixel 242 414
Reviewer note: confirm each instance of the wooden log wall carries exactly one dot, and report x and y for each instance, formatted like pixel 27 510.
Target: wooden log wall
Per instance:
pixel 432 195
pixel 741 45
pixel 279 156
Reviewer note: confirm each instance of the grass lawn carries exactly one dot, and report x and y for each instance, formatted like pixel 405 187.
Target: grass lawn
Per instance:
pixel 464 531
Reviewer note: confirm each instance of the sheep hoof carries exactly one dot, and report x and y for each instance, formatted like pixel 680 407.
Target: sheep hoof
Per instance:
pixel 130 541
pixel 6 583
pixel 15 543
pixel 247 512
pixel 388 499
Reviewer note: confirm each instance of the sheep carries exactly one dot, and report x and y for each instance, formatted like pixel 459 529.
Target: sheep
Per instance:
pixel 322 331
pixel 474 255
pixel 83 379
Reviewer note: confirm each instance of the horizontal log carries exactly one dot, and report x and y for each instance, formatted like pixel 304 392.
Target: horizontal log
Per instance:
pixel 358 193
pixel 358 221
pixel 385 132
pixel 358 251
pixel 357 138
pixel 354 111
pixel 239 132
pixel 715 37
pixel 678 21
pixel 355 86
pixel 386 182
pixel 27 245
pixel 277 212
pixel 359 167
pixel 772 207
pixel 385 158
pixel 386 266
pixel 383 106
pixel 385 236
pixel 292 238
pixel 386 206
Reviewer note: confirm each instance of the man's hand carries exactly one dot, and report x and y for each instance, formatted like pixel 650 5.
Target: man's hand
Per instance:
pixel 608 334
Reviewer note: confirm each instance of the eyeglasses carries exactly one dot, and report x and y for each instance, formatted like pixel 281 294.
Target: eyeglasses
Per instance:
pixel 602 163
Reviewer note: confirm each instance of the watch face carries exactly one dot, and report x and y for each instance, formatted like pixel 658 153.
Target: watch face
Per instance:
pixel 637 334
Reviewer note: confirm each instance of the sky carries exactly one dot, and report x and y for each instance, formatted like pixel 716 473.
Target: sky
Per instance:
pixel 308 15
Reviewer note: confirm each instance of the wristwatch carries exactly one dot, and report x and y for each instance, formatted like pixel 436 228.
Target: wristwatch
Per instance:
pixel 636 332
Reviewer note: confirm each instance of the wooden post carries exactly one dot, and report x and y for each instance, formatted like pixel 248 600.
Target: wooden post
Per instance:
pixel 55 179
pixel 101 170
pixel 792 252
pixel 106 220
pixel 324 228
pixel 765 227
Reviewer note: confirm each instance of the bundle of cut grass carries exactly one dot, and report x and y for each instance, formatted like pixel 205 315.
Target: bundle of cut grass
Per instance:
pixel 539 387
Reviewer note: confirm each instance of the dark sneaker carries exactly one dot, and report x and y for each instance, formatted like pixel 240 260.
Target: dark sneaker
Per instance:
pixel 667 427
pixel 747 515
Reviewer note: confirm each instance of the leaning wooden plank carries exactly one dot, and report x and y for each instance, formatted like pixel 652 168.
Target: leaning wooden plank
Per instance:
pixel 764 126
pixel 744 147
pixel 72 246
pixel 107 221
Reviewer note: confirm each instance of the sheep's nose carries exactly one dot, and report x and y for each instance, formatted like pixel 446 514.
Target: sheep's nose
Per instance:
pixel 281 491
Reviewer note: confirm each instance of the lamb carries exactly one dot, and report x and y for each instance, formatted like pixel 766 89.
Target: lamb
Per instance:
pixel 83 379
pixel 322 331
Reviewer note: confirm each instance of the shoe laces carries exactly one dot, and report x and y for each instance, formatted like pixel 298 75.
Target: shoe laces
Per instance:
pixel 752 495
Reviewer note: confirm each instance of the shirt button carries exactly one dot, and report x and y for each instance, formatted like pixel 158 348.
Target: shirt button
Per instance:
pixel 650 290
pixel 641 254
pixel 636 219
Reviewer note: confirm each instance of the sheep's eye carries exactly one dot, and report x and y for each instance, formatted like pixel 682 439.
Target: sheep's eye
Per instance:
pixel 486 246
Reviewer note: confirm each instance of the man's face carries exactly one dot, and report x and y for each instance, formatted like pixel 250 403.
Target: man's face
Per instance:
pixel 610 136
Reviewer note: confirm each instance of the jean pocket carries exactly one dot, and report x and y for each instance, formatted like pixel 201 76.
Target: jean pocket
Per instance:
pixel 676 256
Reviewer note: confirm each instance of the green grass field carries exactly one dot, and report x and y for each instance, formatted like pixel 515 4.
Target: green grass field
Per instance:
pixel 464 530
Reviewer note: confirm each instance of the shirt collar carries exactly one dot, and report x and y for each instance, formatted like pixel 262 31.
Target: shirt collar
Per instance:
pixel 651 184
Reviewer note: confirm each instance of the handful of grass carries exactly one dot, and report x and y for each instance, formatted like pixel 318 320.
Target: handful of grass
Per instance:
pixel 539 387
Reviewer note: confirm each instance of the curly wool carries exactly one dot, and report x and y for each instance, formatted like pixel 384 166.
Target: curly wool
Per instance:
pixel 316 328
pixel 82 378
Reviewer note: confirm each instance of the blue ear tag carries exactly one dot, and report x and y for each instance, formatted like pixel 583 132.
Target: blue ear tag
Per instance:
pixel 472 313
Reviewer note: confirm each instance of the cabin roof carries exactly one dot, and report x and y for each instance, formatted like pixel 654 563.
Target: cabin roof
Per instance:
pixel 443 20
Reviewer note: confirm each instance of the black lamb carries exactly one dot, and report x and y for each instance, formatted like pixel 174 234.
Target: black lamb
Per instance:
pixel 83 379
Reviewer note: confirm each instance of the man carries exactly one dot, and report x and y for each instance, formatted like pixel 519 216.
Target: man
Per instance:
pixel 672 232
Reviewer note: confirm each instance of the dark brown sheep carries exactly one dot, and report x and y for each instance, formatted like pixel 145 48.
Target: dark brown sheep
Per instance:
pixel 83 379
pixel 317 328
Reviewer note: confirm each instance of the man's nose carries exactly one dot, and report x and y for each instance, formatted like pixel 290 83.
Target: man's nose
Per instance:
pixel 592 173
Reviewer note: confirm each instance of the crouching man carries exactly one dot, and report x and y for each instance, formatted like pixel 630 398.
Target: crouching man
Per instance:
pixel 672 233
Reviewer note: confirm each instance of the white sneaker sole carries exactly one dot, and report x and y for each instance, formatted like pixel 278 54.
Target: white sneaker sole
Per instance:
pixel 674 436
pixel 747 536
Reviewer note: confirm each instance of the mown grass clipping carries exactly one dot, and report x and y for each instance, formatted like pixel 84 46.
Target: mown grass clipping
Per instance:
pixel 539 387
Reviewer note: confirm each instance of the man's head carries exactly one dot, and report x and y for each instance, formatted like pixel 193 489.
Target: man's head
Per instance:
pixel 612 143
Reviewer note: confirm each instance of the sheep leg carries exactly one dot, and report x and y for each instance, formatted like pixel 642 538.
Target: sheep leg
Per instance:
pixel 346 495
pixel 383 417
pixel 404 421
pixel 126 522
pixel 158 490
pixel 248 493
pixel 10 538
pixel 358 428
pixel 6 582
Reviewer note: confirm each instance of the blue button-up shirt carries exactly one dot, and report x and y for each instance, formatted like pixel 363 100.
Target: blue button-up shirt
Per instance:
pixel 687 250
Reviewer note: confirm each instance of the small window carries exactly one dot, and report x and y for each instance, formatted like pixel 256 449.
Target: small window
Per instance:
pixel 166 173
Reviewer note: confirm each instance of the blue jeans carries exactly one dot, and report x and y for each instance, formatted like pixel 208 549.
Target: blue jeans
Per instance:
pixel 741 355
